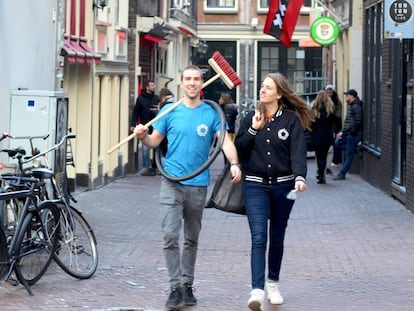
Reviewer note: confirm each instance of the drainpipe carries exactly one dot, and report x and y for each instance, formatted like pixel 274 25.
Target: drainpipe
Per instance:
pixel 58 17
pixel 246 54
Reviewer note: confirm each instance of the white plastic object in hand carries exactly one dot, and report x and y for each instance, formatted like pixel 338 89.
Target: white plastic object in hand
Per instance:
pixel 293 194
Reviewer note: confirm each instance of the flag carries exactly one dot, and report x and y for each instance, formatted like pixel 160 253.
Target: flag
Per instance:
pixel 281 19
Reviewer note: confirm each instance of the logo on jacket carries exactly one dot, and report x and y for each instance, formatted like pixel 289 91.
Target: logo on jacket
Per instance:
pixel 283 134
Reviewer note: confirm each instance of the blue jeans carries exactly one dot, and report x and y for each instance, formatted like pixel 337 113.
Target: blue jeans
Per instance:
pixel 351 144
pixel 145 156
pixel 264 202
pixel 180 204
pixel 338 147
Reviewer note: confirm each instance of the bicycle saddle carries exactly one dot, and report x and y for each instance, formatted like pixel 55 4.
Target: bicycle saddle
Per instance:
pixel 41 173
pixel 14 152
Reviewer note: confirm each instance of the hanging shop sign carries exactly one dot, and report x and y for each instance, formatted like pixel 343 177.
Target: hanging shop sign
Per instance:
pixel 324 30
pixel 398 19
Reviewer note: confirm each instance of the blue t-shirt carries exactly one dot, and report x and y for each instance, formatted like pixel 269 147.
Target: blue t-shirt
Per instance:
pixel 190 133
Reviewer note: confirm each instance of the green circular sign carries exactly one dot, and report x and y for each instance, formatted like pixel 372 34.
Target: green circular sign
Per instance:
pixel 324 30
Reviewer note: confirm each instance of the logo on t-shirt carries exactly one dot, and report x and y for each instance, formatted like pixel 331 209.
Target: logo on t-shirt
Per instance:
pixel 202 130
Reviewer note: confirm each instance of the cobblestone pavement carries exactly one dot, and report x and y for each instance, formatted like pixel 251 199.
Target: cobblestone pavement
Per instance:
pixel 348 247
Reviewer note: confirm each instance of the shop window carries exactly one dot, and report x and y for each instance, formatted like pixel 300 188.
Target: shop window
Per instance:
pixel 302 67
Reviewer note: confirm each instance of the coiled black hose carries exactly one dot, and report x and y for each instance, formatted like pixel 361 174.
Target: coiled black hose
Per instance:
pixel 212 156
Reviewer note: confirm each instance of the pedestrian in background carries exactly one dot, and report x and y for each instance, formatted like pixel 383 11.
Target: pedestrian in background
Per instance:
pixel 190 129
pixel 146 108
pixel 337 153
pixel 272 148
pixel 322 131
pixel 166 97
pixel 230 111
pixel 351 134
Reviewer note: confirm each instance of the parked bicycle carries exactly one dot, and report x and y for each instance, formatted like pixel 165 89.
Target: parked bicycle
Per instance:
pixel 76 251
pixel 10 209
pixel 31 247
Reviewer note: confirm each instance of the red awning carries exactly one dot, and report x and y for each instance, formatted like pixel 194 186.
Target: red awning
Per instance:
pixel 68 52
pixel 80 52
pixel 93 56
pixel 153 39
pixel 185 31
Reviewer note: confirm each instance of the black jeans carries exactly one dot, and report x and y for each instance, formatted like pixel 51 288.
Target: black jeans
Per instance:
pixel 321 153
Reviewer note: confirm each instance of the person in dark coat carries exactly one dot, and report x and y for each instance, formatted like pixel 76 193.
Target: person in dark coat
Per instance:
pixel 351 134
pixel 337 123
pixel 322 131
pixel 230 111
pixel 166 97
pixel 146 108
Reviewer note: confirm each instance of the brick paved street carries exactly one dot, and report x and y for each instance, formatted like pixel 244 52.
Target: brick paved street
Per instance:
pixel 348 247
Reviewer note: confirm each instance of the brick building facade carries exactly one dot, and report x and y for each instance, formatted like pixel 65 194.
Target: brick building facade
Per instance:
pixel 388 71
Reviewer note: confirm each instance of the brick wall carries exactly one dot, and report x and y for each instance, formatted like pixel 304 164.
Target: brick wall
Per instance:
pixel 377 169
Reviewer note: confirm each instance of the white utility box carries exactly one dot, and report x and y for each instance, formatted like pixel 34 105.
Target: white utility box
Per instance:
pixel 38 113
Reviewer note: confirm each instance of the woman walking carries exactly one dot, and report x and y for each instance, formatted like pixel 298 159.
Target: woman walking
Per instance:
pixel 323 110
pixel 271 145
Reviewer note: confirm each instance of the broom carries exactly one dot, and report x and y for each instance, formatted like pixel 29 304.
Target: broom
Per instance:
pixel 223 70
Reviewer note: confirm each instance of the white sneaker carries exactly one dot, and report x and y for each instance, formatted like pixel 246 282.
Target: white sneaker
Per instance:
pixel 273 293
pixel 256 299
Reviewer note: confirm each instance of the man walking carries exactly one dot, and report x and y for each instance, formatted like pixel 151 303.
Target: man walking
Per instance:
pixel 352 130
pixel 190 129
pixel 146 108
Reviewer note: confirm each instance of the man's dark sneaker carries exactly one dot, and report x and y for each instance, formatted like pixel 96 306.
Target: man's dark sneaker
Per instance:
pixel 188 297
pixel 328 171
pixel 175 299
pixel 339 177
pixel 148 172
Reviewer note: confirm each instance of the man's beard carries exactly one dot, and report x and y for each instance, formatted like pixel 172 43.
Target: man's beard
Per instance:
pixel 193 97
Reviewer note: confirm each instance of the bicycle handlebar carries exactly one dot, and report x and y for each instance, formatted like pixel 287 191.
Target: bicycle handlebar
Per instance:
pixel 54 147
pixel 4 135
pixel 7 135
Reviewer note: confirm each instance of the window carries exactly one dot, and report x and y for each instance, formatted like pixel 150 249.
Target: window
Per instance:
pixel 263 6
pixel 220 6
pixel 121 43
pixel 161 61
pixel 372 75
pixel 302 67
pixel 102 42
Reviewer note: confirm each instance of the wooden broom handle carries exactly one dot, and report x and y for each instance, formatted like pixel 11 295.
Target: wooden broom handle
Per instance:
pixel 149 123
pixel 160 115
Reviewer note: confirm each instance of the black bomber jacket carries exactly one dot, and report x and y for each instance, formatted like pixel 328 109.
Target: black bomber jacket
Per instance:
pixel 279 149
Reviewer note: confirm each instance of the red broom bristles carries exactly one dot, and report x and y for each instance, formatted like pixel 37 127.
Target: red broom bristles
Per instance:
pixel 223 70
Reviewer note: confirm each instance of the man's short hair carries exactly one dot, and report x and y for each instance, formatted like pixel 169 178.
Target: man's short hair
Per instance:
pixel 147 82
pixel 191 67
pixel 351 92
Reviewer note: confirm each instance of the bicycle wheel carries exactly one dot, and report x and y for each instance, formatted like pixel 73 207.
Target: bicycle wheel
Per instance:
pixel 76 252
pixel 3 254
pixel 35 244
pixel 11 212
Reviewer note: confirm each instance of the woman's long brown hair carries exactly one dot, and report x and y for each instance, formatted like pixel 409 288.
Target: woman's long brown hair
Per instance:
pixel 290 100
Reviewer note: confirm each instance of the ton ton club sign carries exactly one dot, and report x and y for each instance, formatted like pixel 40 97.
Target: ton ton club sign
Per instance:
pixel 398 19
